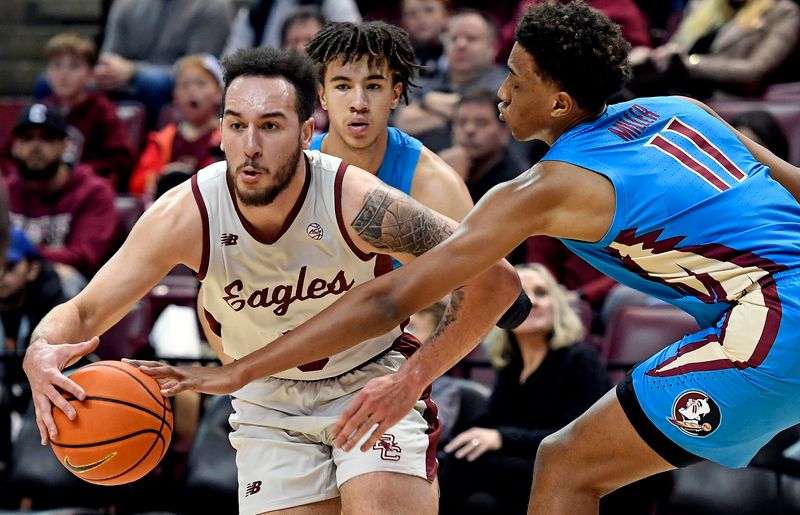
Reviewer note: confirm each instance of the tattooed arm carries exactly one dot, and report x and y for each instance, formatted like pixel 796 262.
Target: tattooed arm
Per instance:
pixel 383 220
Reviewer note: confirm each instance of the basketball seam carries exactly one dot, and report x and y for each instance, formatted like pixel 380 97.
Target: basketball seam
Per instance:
pixel 105 442
pixel 165 402
pixel 144 456
pixel 125 403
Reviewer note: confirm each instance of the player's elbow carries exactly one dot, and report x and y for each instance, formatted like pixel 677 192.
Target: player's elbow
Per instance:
pixel 384 306
pixel 503 285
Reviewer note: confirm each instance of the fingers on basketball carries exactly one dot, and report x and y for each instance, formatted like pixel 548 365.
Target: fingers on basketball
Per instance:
pixel 121 430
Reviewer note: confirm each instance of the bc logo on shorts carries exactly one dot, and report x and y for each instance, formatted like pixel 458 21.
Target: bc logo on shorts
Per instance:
pixel 695 413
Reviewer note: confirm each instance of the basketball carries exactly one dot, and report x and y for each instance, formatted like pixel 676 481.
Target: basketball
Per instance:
pixel 122 428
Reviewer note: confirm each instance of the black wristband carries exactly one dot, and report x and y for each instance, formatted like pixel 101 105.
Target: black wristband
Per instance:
pixel 517 313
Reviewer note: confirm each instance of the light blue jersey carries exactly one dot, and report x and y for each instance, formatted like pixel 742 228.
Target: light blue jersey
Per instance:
pixel 697 220
pixel 701 224
pixel 399 161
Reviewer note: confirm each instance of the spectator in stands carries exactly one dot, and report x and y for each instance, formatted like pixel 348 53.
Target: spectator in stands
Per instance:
pixel 480 153
pixel 177 151
pixel 582 280
pixel 626 13
pixel 546 379
pixel 144 38
pixel 260 24
pixel 67 212
pixel 29 288
pixel 104 143
pixel 763 128
pixel 470 47
pixel 739 46
pixel 426 22
pixel 300 27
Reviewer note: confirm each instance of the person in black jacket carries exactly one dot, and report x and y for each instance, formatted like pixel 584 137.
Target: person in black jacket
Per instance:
pixel 546 379
pixel 29 288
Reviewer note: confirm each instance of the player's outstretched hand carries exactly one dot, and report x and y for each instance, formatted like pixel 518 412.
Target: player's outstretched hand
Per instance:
pixel 174 380
pixel 43 364
pixel 383 402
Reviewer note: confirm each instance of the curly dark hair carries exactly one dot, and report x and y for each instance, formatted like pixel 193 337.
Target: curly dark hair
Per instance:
pixel 379 41
pixel 292 65
pixel 578 48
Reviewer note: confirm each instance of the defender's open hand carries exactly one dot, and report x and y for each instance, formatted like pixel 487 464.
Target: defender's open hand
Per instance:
pixel 173 380
pixel 384 401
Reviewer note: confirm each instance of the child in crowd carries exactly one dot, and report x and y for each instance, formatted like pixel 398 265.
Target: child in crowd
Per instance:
pixel 191 142
pixel 101 140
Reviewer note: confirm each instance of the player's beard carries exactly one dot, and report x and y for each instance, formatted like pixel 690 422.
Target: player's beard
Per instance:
pixel 265 196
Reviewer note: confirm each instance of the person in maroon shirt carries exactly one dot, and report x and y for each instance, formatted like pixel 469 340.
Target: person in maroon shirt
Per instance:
pixel 625 13
pixel 191 142
pixel 103 142
pixel 68 213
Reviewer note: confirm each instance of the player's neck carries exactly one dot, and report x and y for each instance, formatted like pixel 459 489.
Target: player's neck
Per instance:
pixel 369 158
pixel 572 122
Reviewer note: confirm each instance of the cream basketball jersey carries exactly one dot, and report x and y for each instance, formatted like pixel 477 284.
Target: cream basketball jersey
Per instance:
pixel 256 290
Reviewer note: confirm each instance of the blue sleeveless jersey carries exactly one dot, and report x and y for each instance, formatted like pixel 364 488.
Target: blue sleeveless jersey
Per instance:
pixel 399 161
pixel 698 220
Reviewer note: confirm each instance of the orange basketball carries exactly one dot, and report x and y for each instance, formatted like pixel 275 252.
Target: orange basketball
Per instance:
pixel 122 428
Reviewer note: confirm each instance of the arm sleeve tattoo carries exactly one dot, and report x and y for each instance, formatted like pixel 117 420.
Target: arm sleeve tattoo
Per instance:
pixel 391 221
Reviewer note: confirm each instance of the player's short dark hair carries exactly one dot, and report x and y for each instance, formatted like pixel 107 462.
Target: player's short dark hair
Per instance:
pixel 378 41
pixel 292 65
pixel 578 48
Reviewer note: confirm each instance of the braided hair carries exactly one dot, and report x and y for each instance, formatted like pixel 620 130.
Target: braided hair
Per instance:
pixel 379 41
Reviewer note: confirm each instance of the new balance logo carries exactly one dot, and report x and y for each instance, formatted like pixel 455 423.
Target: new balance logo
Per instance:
pixel 229 239
pixel 252 488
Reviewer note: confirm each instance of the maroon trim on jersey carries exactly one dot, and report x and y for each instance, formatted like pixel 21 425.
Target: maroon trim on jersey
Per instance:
pixel 706 146
pixel 201 205
pixel 251 229
pixel 337 200
pixel 407 344
pixel 688 161
pixel 710 250
pixel 720 253
pixel 768 335
pixel 215 326
pixel 383 265
pixel 314 366
pixel 434 432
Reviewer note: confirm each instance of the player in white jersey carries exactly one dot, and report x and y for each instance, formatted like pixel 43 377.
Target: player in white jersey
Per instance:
pixel 277 234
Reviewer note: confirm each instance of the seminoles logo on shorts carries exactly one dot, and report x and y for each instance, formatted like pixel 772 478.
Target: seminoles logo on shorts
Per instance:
pixel 695 413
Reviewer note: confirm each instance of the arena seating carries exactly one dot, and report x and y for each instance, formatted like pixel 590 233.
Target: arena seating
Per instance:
pixel 637 332
pixel 786 110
